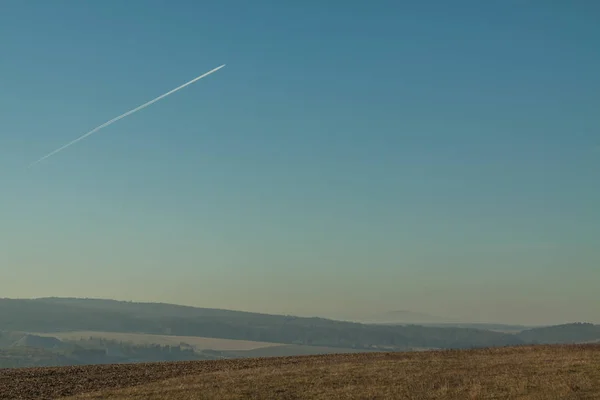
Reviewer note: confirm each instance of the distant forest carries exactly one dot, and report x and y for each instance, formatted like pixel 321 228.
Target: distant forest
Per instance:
pixel 36 351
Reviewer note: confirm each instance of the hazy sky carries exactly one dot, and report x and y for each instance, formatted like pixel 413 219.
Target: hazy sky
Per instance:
pixel 352 157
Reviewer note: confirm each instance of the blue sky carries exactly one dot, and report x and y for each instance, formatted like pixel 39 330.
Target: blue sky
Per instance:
pixel 439 157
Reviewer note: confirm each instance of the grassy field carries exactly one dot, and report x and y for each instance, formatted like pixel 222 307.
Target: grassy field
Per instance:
pixel 287 350
pixel 549 373
pixel 198 343
pixel 529 372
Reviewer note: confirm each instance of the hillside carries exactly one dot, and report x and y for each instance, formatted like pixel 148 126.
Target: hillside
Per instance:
pixel 39 342
pixel 60 315
pixel 568 333
pixel 533 372
pixel 39 351
pixel 55 315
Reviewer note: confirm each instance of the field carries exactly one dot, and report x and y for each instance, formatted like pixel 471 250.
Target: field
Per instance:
pixel 229 348
pixel 198 343
pixel 528 372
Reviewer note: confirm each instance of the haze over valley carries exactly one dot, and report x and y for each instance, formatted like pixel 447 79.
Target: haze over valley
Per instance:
pixel 71 331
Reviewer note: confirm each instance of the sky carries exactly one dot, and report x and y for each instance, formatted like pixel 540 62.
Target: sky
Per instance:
pixel 350 160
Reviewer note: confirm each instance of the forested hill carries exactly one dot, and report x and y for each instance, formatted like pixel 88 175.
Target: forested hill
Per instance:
pixel 65 314
pixel 568 333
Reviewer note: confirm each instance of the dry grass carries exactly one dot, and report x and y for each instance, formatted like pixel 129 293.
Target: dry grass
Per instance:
pixel 199 343
pixel 532 372
pixel 535 373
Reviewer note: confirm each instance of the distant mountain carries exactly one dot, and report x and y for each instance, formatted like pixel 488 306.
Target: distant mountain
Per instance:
pixel 567 333
pixel 140 309
pixel 404 317
pixel 507 328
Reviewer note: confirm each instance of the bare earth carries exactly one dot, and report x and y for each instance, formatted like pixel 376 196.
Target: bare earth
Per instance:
pixel 528 372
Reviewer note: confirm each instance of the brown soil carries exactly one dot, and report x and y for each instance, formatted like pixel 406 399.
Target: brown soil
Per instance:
pixel 535 372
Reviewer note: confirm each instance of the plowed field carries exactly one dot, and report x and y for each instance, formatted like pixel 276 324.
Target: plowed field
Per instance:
pixel 535 372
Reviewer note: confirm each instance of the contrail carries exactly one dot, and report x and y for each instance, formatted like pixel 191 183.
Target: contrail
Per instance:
pixel 104 125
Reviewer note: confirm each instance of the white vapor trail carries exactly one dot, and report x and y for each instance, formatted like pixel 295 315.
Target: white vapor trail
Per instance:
pixel 104 125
